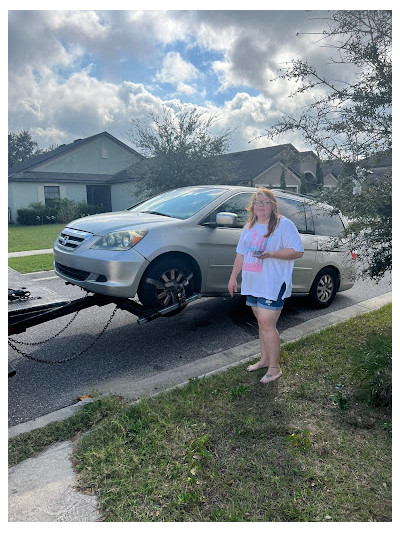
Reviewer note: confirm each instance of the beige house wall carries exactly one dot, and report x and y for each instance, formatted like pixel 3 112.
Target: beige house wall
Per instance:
pixel 272 177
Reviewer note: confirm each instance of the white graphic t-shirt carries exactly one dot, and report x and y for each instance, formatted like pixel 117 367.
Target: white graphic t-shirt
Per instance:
pixel 264 277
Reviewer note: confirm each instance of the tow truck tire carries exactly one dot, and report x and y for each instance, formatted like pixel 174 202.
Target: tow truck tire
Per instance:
pixel 163 280
pixel 324 288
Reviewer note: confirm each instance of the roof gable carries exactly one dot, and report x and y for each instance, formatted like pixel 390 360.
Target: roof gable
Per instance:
pixel 64 148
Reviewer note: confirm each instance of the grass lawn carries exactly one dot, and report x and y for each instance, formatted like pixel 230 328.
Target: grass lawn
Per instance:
pixel 23 238
pixel 308 447
pixel 31 263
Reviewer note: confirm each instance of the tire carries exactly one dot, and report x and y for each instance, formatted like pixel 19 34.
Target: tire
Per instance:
pixel 324 288
pixel 163 280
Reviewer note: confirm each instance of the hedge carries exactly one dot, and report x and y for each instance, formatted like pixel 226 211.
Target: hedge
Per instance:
pixel 61 211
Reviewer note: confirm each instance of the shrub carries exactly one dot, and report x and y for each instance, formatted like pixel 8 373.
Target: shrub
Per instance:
pixel 62 211
pixel 373 371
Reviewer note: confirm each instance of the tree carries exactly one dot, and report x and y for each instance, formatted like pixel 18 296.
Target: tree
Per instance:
pixel 182 148
pixel 319 175
pixel 352 121
pixel 21 147
pixel 283 180
pixel 303 185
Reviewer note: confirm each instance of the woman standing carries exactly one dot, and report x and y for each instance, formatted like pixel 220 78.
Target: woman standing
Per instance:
pixel 267 249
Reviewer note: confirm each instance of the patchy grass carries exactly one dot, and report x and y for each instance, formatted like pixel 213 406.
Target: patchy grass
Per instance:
pixel 23 238
pixel 31 263
pixel 227 449
pixel 30 444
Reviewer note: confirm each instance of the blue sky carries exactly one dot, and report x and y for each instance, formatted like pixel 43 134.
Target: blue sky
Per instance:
pixel 75 73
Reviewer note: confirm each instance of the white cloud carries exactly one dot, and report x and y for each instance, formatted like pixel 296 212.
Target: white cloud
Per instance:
pixel 53 95
pixel 176 71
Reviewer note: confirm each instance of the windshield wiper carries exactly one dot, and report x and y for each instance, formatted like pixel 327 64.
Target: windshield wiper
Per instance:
pixel 157 213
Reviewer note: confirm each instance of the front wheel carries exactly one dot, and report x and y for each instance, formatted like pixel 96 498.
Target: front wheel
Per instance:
pixel 324 288
pixel 166 282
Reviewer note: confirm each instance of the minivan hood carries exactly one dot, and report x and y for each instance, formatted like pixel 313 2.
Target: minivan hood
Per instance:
pixel 119 220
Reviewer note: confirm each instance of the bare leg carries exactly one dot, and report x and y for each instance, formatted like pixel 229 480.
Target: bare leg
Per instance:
pixel 264 359
pixel 269 339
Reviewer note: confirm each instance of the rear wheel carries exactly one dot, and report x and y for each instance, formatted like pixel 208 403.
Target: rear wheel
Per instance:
pixel 324 288
pixel 165 282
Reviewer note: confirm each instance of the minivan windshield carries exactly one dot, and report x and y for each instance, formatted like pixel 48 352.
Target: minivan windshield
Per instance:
pixel 179 203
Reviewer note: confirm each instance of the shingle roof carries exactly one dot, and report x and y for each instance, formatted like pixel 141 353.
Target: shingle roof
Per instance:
pixel 33 161
pixel 251 163
pixel 58 177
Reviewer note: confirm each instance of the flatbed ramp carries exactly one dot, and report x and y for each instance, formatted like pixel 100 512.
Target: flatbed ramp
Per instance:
pixel 28 297
pixel 40 297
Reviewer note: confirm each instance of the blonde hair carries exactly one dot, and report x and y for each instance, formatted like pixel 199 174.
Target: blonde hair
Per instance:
pixel 275 216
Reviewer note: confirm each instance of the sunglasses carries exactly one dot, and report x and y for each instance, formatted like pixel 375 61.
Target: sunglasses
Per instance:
pixel 260 203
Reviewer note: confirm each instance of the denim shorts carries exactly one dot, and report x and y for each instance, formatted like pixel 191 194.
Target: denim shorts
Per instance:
pixel 274 305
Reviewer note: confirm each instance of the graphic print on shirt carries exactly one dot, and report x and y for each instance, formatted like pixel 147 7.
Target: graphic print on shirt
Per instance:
pixel 253 242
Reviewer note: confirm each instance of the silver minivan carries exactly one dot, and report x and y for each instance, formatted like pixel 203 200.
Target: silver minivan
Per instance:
pixel 184 241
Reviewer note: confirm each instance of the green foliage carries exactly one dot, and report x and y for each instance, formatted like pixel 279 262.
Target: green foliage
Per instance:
pixel 21 147
pixel 373 370
pixel 236 392
pixel 61 210
pixel 351 121
pixel 341 400
pixel 283 180
pixel 301 441
pixel 184 150
pixel 369 209
pixel 303 186
pixel 319 175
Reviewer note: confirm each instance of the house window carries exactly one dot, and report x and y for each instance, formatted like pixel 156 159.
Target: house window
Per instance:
pixel 51 193
pixel 99 195
pixel 104 153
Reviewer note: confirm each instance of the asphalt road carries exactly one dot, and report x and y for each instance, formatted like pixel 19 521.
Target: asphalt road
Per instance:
pixel 128 349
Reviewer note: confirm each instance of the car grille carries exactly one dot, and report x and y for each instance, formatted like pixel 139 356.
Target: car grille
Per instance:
pixel 71 239
pixel 73 273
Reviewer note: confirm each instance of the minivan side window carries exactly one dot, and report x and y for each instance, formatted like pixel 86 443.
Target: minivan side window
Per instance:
pixel 294 210
pixel 329 225
pixel 236 204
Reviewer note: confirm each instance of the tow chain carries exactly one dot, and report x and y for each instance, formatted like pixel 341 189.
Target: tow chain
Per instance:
pixel 10 342
pixel 50 338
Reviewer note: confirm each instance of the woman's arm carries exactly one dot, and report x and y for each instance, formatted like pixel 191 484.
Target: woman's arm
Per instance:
pixel 237 267
pixel 286 253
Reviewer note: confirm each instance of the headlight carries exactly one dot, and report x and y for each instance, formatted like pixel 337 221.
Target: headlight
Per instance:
pixel 119 240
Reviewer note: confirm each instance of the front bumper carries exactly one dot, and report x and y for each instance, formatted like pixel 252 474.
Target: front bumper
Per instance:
pixel 101 271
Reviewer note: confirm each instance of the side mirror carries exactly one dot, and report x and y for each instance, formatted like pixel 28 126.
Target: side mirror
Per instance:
pixel 226 219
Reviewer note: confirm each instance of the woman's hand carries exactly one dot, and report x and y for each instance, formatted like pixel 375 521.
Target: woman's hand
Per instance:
pixel 264 255
pixel 232 286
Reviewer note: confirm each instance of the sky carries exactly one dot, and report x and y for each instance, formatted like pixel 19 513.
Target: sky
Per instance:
pixel 76 73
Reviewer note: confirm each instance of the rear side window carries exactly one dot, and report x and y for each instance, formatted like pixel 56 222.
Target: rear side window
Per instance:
pixel 294 210
pixel 329 225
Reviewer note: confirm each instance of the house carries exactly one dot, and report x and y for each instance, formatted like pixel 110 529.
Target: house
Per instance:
pixel 103 171
pixel 264 167
pixel 80 171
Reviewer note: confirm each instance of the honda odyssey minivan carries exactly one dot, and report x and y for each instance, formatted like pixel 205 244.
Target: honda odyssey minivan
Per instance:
pixel 184 241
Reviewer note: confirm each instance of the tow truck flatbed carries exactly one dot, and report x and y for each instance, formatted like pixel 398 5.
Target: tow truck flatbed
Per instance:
pixel 39 304
pixel 40 298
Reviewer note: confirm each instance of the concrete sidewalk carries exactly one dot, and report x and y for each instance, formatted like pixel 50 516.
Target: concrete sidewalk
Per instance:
pixel 41 489
pixel 30 252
